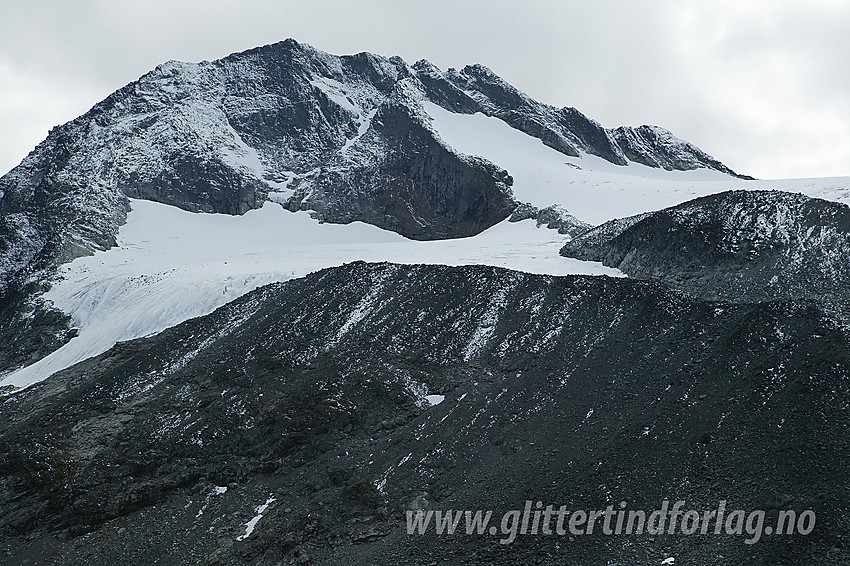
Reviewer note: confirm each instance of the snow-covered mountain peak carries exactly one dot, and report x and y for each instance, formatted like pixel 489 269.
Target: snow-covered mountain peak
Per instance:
pixel 425 153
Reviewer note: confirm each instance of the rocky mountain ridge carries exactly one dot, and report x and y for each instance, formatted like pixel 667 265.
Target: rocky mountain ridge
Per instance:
pixel 736 245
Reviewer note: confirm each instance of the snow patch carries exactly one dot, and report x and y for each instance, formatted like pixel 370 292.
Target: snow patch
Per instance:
pixel 251 525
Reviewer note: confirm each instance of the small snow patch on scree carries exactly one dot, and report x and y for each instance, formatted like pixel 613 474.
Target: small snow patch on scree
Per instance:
pixel 435 399
pixel 487 323
pixel 250 525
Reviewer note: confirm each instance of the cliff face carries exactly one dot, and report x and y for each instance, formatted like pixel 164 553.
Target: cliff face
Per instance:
pixel 399 176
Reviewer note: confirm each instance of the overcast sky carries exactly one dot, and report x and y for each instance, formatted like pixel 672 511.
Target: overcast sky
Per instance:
pixel 763 85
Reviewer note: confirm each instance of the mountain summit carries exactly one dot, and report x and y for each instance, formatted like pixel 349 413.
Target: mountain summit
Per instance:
pixel 343 136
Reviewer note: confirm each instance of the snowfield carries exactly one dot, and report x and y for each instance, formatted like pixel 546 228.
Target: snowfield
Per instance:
pixel 590 188
pixel 171 265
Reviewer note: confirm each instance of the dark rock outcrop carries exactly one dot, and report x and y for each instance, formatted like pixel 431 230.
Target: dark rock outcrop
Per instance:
pixel 405 180
pixel 654 146
pixel 553 217
pixel 736 245
pixel 30 328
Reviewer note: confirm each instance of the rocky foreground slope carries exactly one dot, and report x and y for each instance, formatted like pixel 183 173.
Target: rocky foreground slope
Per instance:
pixel 309 397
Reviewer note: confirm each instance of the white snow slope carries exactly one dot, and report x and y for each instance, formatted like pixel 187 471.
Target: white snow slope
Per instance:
pixel 171 265
pixel 590 188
